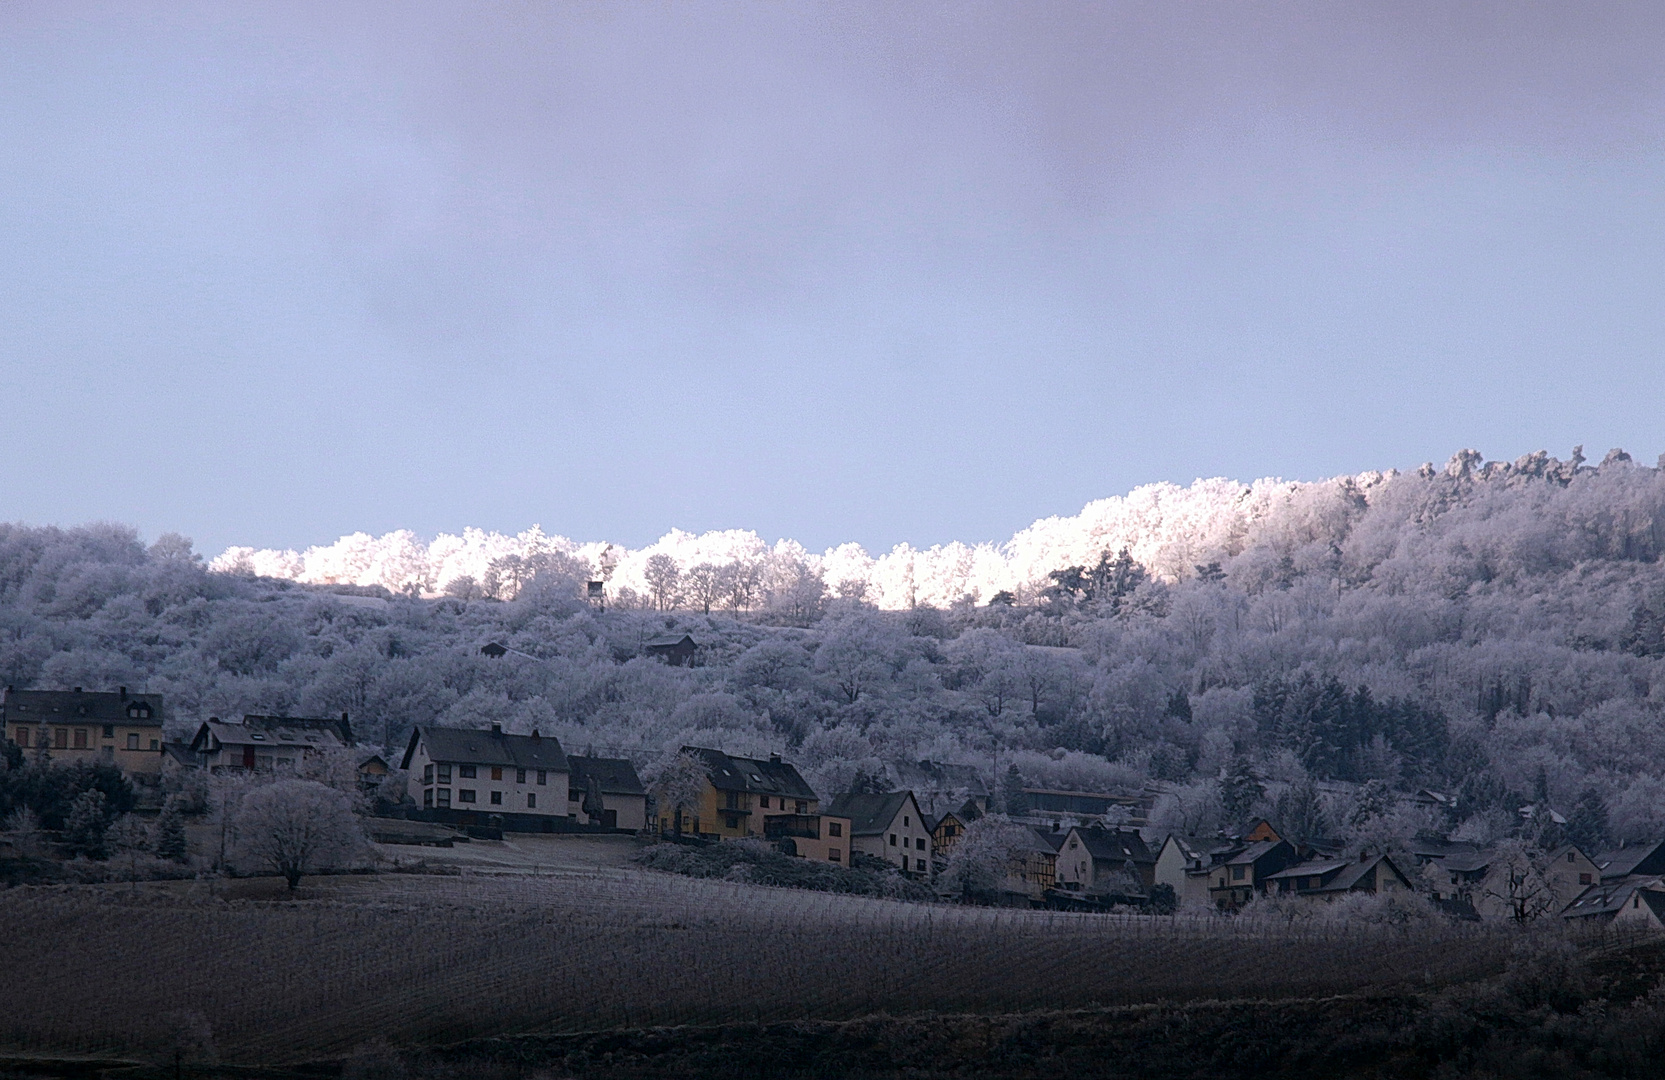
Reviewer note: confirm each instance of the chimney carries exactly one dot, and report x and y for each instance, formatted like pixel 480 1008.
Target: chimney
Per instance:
pixel 497 729
pixel 774 759
pixel 124 693
pixel 535 734
pixel 77 689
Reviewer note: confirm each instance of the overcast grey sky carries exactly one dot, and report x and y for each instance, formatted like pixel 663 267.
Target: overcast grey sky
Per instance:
pixel 873 272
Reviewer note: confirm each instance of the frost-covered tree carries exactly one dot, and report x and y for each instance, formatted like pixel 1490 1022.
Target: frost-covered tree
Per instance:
pixel 294 828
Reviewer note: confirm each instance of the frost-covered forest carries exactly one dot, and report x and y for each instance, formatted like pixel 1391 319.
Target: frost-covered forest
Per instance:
pixel 1495 629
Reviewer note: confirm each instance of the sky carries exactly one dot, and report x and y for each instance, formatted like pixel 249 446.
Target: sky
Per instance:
pixel 881 272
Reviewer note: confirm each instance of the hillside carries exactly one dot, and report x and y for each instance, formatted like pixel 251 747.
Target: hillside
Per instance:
pixel 1495 629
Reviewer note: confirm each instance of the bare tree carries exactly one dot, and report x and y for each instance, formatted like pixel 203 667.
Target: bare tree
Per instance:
pixel 678 786
pixel 1517 884
pixel 704 586
pixel 992 850
pixel 295 827
pixel 662 575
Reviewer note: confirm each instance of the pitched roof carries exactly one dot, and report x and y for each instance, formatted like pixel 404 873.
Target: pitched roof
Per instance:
pixel 669 641
pixel 1622 862
pixel 308 733
pixel 70 706
pixel 1253 853
pixel 870 813
pixel 772 777
pixel 1310 868
pixel 1609 896
pixel 467 746
pixel 938 776
pixel 1114 844
pixel 617 776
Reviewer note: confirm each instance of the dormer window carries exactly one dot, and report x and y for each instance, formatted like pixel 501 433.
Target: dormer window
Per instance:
pixel 257 735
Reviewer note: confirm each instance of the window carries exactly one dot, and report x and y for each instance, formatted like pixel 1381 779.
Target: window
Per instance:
pixel 948 830
pixel 892 839
pixel 428 773
pixel 905 821
pixel 109 731
pixel 1571 857
pixel 155 744
pixel 428 797
pixel 543 776
pixel 919 865
pixel 444 797
pixel 835 828
pixel 573 794
pixel 763 802
pixel 497 798
pixel 1584 879
pixel 834 855
pixel 465 772
pixel 465 795
pixel 520 776
pixel 60 738
pixel 531 801
pixel 445 774
pixel 497 772
pixel 803 807
pixel 22 737
pixel 919 843
pixel 732 801
pixel 1237 873
pixel 132 740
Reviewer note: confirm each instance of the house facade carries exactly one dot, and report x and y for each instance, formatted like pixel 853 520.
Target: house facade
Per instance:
pixel 1186 864
pixel 1093 859
pixel 1326 879
pixel 77 725
pixel 267 743
pixel 468 777
pixel 739 796
pixel 819 837
pixel 606 792
pixel 888 826
pixel 1238 877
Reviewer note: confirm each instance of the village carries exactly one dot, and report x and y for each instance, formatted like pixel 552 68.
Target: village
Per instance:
pixel 1062 850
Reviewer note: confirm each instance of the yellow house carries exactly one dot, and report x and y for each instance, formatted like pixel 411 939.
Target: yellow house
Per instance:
pixel 77 725
pixel 740 795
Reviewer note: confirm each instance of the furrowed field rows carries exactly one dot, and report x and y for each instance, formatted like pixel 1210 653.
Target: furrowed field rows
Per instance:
pixel 419 959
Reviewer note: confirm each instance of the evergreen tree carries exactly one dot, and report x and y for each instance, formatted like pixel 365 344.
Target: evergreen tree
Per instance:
pixel 1587 824
pixel 1374 800
pixel 1017 802
pixel 1179 706
pixel 170 833
pixel 84 830
pixel 1240 790
pixel 1300 812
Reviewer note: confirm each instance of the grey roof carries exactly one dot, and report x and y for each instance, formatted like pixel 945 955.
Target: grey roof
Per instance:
pixel 308 733
pixel 1624 861
pixel 772 777
pixel 181 753
pixel 1608 897
pixel 1310 868
pixel 1253 852
pixel 466 746
pixel 617 776
pixel 938 776
pixel 72 706
pixel 669 641
pixel 1118 845
pixel 869 813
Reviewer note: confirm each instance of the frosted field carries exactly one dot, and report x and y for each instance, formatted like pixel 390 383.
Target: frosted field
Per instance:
pixel 426 959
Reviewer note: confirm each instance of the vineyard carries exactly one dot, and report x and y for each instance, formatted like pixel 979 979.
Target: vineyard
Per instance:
pixel 428 960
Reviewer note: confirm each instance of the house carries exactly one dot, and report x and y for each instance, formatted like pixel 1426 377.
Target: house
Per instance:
pixel 889 826
pixel 78 725
pixel 466 777
pixel 676 650
pixel 1482 880
pixel 1328 878
pixel 1185 863
pixel 372 770
pixel 606 792
pixel 267 743
pixel 939 787
pixel 946 830
pixel 740 795
pixel 1633 898
pixel 1095 859
pixel 1039 871
pixel 1236 878
pixel 820 837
